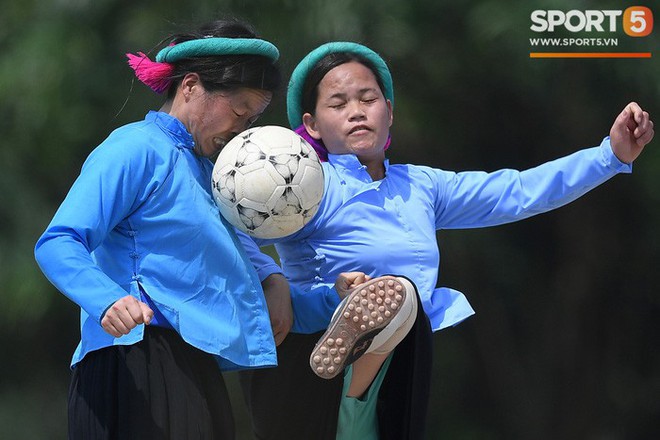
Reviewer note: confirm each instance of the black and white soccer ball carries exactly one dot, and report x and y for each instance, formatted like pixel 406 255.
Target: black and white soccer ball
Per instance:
pixel 268 182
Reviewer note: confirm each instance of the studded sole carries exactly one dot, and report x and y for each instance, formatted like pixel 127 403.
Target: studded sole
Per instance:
pixel 364 313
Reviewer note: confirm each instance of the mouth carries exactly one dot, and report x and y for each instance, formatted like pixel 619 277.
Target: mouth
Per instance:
pixel 359 129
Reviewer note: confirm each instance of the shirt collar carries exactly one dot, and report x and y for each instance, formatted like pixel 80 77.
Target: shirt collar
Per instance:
pixel 350 164
pixel 353 176
pixel 173 127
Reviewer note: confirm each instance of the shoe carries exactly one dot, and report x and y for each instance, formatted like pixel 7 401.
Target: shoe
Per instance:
pixel 386 341
pixel 361 315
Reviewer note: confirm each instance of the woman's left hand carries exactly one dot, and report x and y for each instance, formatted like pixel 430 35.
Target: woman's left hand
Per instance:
pixel 278 298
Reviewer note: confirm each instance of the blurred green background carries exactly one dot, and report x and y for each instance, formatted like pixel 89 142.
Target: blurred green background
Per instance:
pixel 564 344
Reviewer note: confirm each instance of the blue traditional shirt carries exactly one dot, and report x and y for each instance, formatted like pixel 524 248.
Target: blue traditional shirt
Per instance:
pixel 141 217
pixel 389 226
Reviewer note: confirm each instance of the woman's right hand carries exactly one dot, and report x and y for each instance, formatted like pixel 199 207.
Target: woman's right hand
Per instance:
pixel 347 281
pixel 124 315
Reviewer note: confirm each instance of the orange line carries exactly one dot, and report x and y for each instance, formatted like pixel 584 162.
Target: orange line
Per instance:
pixel 590 55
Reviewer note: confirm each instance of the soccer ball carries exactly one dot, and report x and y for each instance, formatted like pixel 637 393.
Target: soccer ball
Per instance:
pixel 268 182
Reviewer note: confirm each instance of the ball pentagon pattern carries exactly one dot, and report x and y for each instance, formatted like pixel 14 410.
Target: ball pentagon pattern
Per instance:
pixel 268 182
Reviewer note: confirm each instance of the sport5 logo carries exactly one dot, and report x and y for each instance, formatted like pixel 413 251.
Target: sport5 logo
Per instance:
pixel 637 20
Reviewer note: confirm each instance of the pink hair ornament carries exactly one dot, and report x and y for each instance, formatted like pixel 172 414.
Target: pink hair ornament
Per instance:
pixel 157 76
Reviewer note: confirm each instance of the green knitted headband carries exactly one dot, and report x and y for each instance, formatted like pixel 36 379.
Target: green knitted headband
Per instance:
pixel 299 75
pixel 217 46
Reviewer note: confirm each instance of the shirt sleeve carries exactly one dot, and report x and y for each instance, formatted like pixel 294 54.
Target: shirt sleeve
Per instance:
pixel 478 199
pixel 264 264
pixel 110 186
pixel 312 309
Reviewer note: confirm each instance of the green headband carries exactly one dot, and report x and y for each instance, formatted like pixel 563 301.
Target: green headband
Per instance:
pixel 217 46
pixel 299 75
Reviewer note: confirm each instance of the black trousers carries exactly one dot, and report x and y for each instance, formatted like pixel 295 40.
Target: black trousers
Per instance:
pixel 159 388
pixel 291 403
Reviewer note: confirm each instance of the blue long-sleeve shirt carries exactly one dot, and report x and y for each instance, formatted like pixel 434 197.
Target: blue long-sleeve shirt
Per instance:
pixel 141 216
pixel 389 226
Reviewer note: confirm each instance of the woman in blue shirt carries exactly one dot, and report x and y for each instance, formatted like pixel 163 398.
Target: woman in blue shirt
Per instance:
pixel 138 240
pixel 382 218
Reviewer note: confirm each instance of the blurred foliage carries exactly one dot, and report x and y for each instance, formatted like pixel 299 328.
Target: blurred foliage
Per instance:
pixel 564 343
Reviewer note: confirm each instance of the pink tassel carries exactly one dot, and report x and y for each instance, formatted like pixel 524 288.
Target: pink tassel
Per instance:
pixel 157 76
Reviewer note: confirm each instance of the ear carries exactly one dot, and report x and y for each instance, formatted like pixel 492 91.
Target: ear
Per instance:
pixel 190 86
pixel 390 111
pixel 310 125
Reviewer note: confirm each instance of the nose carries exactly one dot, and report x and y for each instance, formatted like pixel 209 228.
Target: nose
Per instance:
pixel 355 110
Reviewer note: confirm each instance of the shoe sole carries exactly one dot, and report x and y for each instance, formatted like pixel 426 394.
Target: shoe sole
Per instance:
pixel 399 326
pixel 368 309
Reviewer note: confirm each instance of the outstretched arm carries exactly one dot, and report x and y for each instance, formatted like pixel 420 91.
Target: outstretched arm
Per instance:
pixel 631 131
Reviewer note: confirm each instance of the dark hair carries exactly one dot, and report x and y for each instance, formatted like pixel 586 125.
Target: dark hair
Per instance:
pixel 226 72
pixel 310 89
